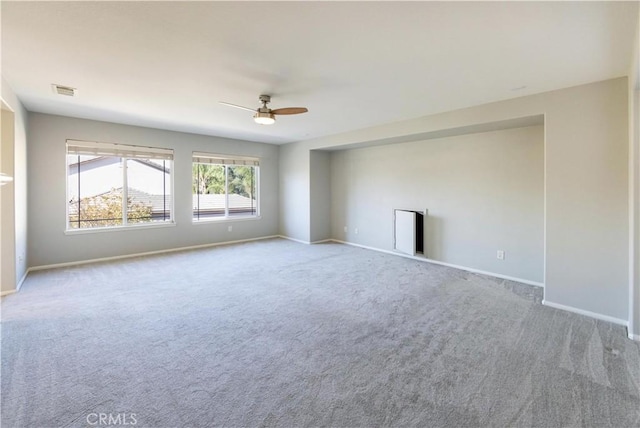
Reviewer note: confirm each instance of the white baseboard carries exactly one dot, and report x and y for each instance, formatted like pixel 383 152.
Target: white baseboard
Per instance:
pixel 321 241
pixel 6 293
pixel 635 337
pixel 424 259
pixel 148 253
pixel 18 285
pixel 300 241
pixel 585 313
pixel 305 242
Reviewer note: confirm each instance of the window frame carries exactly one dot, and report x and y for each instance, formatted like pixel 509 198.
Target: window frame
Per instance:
pixel 120 151
pixel 227 161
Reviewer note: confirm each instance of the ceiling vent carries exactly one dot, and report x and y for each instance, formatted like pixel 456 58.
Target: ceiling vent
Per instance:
pixel 64 90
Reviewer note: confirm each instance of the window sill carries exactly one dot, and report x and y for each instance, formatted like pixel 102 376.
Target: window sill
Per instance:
pixel 118 228
pixel 225 219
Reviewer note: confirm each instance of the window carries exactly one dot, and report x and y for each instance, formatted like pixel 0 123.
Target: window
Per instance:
pixel 115 185
pixel 224 186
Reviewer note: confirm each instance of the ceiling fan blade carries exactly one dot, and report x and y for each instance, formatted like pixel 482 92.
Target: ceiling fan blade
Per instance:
pixel 289 110
pixel 237 106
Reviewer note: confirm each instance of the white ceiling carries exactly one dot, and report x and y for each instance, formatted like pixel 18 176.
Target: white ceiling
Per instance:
pixel 353 64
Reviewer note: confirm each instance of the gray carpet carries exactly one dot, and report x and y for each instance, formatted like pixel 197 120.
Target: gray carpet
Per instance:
pixel 275 333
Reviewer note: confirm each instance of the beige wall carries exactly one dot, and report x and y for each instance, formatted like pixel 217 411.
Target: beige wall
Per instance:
pixel 484 192
pixel 586 186
pixel 634 212
pixel 16 204
pixel 634 187
pixel 7 206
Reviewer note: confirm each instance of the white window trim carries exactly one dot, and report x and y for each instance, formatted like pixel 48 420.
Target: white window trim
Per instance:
pixel 147 150
pixel 227 161
pixel 232 219
pixel 119 228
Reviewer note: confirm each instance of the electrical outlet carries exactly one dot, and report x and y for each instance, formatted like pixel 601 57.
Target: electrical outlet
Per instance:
pixel 356 230
pixel 345 229
pixel 500 255
pixel 230 228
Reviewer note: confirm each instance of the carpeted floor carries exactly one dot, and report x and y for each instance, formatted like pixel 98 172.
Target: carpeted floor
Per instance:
pixel 276 333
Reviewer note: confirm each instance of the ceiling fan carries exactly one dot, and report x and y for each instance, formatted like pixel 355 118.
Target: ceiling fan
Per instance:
pixel 264 115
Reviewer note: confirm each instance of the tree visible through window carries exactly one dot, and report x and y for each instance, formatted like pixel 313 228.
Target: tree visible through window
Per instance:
pixel 113 185
pixel 106 210
pixel 224 187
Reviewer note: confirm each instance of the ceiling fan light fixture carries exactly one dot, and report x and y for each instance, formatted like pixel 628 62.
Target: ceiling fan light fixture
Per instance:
pixel 264 118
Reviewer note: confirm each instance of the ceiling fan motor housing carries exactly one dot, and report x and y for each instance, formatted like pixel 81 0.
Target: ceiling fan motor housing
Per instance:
pixel 263 115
